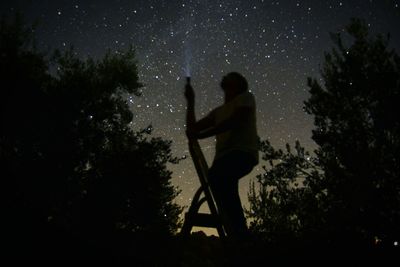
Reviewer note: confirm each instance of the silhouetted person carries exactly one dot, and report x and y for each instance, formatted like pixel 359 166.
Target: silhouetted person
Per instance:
pixel 236 153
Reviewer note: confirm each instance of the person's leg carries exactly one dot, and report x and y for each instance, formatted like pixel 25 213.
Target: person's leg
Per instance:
pixel 234 210
pixel 222 192
pixel 224 176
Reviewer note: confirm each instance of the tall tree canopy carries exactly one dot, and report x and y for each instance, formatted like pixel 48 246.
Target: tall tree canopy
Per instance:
pixel 70 161
pixel 352 183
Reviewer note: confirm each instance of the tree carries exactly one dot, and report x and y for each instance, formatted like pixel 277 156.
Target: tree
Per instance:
pixel 288 204
pixel 357 133
pixel 69 157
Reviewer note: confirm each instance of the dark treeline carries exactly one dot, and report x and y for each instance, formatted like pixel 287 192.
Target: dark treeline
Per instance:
pixel 75 177
pixel 77 181
pixel 347 193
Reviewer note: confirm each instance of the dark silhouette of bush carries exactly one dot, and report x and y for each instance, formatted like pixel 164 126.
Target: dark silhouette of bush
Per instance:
pixel 72 167
pixel 348 191
pixel 287 204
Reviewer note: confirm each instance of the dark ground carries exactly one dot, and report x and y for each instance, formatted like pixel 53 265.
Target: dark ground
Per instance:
pixel 57 248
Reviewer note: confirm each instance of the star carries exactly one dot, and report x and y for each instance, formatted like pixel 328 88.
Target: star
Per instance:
pixel 276 45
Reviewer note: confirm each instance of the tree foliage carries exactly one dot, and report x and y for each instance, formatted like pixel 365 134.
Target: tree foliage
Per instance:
pixel 354 186
pixel 70 160
pixel 287 203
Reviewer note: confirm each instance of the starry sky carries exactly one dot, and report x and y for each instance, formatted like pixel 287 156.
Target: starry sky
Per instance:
pixel 276 45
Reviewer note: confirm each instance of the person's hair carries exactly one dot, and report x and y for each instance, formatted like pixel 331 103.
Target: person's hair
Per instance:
pixel 241 80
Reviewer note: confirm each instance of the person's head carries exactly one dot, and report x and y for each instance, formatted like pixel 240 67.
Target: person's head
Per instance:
pixel 233 84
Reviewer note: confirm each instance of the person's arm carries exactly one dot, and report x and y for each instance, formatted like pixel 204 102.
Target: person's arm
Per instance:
pixel 207 122
pixel 234 121
pixel 193 127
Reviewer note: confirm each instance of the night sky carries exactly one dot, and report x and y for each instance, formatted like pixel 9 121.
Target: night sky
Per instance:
pixel 274 44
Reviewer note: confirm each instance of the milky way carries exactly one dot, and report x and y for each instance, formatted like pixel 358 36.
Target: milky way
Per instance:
pixel 275 44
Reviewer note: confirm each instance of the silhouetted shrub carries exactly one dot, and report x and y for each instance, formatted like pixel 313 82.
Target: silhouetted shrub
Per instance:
pixel 349 190
pixel 70 161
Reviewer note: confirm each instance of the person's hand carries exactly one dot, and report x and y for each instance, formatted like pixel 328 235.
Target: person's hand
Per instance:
pixel 191 134
pixel 189 94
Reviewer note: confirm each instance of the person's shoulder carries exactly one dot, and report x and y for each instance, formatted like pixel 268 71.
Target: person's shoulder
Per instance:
pixel 246 94
pixel 249 94
pixel 217 110
pixel 246 98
